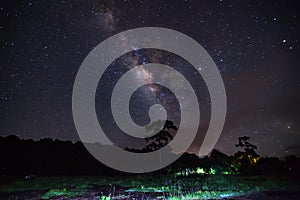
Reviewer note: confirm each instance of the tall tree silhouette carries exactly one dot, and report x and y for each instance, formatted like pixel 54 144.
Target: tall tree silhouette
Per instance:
pixel 248 157
pixel 159 140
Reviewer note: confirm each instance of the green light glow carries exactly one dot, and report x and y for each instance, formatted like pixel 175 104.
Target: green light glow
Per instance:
pixel 200 170
pixel 212 171
pixel 61 192
pixel 178 174
pixel 204 195
pixel 105 198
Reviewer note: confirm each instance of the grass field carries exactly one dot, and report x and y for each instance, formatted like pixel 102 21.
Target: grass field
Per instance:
pixel 147 186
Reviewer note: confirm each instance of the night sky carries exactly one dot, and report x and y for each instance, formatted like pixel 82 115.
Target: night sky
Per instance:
pixel 255 45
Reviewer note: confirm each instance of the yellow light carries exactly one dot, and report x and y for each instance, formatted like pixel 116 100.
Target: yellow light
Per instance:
pixel 254 160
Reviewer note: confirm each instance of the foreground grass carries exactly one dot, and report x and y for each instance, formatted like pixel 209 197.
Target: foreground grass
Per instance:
pixel 163 186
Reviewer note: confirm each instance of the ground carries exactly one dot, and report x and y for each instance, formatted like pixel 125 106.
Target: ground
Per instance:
pixel 147 186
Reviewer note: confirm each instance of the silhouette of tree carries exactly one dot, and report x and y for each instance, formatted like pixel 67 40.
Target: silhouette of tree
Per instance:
pixel 243 142
pixel 248 157
pixel 159 140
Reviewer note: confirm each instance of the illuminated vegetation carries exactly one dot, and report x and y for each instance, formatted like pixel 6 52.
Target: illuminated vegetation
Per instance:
pixel 164 187
pixel 64 192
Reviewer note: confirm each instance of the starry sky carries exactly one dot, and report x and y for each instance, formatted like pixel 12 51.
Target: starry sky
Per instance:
pixel 254 44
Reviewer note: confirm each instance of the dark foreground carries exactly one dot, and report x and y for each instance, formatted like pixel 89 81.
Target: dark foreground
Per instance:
pixel 98 194
pixel 150 187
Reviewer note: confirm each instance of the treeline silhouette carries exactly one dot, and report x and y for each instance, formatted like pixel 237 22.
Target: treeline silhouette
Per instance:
pixel 55 157
pixel 47 156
